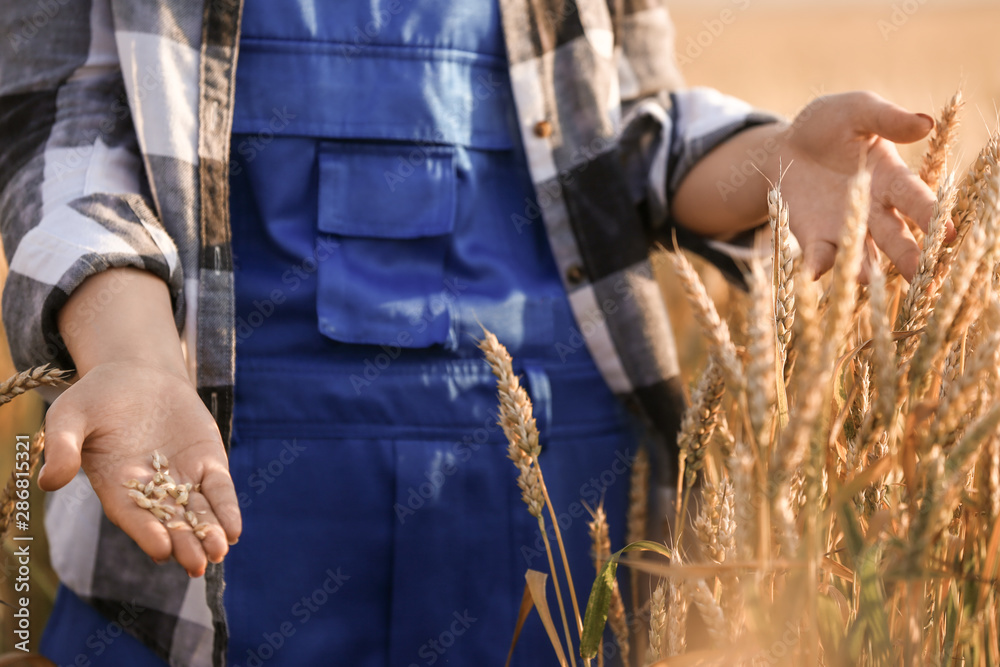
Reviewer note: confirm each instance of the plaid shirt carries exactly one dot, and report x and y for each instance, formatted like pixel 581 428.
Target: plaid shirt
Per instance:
pixel 115 119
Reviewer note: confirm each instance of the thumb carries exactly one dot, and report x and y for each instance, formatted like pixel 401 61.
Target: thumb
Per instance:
pixel 875 115
pixel 65 431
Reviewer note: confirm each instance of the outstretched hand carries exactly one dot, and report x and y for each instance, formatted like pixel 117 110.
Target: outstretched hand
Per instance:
pixel 110 422
pixel 822 151
pixel 134 397
pixel 826 145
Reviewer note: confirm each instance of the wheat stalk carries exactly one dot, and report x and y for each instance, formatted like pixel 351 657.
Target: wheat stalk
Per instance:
pixel 638 513
pixel 518 424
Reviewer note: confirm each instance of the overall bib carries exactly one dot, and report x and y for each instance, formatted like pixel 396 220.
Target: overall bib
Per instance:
pixel 379 195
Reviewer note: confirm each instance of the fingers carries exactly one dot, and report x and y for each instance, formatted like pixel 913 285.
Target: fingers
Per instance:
pixel 192 536
pixel 874 115
pixel 138 523
pixel 217 487
pixel 65 431
pixel 216 514
pixel 893 237
pixel 192 551
pixel 818 257
pixel 909 195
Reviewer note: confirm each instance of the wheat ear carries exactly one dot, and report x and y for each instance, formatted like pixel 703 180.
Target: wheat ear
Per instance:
pixel 8 497
pixel 31 379
pixel 518 424
pixel 714 327
pixel 784 293
pixel 932 167
pixel 657 622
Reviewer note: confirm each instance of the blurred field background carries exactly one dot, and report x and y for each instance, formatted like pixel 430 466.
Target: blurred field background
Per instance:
pixel 780 54
pixel 776 54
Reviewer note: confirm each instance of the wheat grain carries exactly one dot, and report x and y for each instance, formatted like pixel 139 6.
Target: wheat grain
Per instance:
pixel 923 287
pixel 968 202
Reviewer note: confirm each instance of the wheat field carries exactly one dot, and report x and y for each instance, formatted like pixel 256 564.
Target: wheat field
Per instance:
pixel 859 427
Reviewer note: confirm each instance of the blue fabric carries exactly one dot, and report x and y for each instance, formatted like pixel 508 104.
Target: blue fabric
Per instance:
pixel 372 236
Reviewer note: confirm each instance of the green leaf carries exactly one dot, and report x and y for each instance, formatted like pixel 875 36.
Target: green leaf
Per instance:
pixel 830 623
pixel 596 616
pixel 871 624
pixel 853 536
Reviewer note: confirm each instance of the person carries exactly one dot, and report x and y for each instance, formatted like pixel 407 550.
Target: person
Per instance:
pixel 274 275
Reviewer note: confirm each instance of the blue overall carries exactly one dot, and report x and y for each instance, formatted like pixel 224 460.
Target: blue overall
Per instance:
pixel 376 168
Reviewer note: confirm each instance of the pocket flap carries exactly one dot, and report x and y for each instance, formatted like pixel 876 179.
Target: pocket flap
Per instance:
pixel 394 191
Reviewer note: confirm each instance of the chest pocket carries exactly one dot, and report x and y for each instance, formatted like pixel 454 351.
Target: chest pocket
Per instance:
pixel 394 124
pixel 388 212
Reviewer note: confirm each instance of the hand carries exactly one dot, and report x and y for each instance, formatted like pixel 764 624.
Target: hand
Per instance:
pixel 133 398
pixel 823 149
pixel 110 422
pixel 820 152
